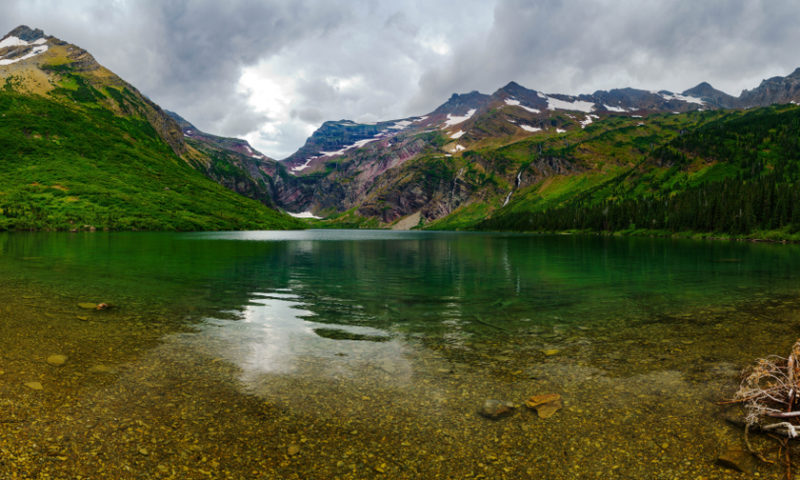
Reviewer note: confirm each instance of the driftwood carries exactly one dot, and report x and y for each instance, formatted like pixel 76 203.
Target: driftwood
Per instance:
pixel 769 396
pixel 769 391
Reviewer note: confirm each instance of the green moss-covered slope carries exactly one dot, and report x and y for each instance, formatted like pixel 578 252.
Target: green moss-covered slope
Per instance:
pixel 77 164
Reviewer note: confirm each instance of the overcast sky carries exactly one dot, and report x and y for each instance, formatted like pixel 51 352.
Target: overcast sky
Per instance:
pixel 273 71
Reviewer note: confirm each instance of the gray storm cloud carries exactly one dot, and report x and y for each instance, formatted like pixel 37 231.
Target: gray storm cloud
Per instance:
pixel 308 61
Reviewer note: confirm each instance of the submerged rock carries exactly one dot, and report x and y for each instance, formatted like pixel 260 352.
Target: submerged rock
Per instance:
pixel 549 409
pixel 537 400
pixel 34 385
pixel 496 409
pixel 737 459
pixel 88 306
pixel 293 450
pixel 57 360
pixel 545 405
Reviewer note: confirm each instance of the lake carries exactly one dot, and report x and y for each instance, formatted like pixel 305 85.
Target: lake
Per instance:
pixel 368 354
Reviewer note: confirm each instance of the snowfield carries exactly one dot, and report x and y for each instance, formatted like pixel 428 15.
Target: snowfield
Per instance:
pixel 36 51
pixel 578 105
pixel 588 120
pixel 341 151
pixel 304 215
pixel 516 103
pixel 683 98
pixel 455 120
pixel 13 42
pixel 614 109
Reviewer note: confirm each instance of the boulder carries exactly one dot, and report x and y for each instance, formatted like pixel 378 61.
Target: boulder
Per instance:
pixel 496 409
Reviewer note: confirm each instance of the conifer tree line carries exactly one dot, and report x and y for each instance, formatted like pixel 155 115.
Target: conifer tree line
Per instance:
pixel 759 152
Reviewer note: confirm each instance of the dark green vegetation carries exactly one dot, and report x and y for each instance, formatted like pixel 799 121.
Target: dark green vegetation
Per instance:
pixel 724 172
pixel 67 165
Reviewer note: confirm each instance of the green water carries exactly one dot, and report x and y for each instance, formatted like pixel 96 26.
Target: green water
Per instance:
pixel 361 354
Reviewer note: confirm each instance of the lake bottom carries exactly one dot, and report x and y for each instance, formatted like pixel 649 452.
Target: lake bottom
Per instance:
pixel 142 396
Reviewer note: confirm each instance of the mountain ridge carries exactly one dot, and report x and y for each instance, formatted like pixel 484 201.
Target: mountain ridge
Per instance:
pixel 346 170
pixel 80 148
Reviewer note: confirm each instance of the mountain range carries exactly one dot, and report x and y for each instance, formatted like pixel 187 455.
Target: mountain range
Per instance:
pixel 81 147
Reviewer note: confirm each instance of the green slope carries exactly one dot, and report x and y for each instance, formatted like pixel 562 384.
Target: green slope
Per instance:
pixel 78 164
pixel 730 172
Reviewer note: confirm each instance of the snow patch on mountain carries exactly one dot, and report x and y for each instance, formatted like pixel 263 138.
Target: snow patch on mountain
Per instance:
pixel 682 98
pixel 401 124
pixel 252 153
pixel 560 130
pixel 304 215
pixel 457 135
pixel 529 128
pixel 578 105
pixel 302 167
pixel 341 151
pixel 532 110
pixel 588 120
pixel 614 109
pixel 513 102
pixel 13 42
pixel 455 120
pixel 36 51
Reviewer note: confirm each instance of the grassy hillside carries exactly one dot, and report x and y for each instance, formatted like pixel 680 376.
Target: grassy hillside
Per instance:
pixel 732 172
pixel 77 164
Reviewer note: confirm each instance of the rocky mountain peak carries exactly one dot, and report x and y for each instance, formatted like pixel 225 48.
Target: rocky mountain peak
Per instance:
pixel 24 32
pixel 712 96
pixel 773 90
pixel 459 104
pixel 795 74
pixel 512 87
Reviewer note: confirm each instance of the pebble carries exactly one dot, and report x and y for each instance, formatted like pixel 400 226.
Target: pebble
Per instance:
pixel 496 409
pixel 57 360
pixel 550 352
pixel 293 449
pixel 34 385
pixel 100 369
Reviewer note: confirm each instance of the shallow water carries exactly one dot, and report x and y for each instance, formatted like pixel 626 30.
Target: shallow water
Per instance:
pixel 367 354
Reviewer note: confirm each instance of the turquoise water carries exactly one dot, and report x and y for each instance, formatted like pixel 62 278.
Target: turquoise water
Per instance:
pixel 277 340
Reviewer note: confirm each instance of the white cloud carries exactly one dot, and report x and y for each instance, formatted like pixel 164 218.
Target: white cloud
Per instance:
pixel 272 71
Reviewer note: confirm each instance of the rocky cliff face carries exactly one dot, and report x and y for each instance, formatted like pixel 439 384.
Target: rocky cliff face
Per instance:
pixel 773 90
pixel 235 164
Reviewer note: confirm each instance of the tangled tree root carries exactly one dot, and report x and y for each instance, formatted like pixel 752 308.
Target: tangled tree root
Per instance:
pixel 771 401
